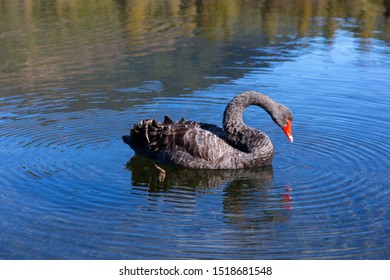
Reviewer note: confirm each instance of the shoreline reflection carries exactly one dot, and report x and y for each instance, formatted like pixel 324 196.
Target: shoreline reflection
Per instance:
pixel 248 196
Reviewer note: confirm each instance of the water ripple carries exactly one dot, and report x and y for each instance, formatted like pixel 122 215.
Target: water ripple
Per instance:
pixel 69 94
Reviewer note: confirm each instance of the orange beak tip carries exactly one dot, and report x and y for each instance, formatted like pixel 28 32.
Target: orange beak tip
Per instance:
pixel 288 131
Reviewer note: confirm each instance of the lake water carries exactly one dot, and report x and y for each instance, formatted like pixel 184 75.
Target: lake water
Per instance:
pixel 75 76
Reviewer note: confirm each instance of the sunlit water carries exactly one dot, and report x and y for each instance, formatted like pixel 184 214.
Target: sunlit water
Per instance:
pixel 70 189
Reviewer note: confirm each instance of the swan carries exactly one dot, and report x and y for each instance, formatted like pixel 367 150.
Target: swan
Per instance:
pixel 197 145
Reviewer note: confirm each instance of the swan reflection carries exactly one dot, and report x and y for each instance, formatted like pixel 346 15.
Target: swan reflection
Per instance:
pixel 248 195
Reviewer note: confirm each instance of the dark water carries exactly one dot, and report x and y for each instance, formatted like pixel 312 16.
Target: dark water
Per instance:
pixel 75 75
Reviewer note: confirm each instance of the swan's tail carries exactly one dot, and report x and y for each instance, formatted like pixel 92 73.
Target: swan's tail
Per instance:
pixel 126 139
pixel 148 136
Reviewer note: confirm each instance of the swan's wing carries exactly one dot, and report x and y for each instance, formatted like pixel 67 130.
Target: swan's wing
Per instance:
pixel 183 143
pixel 189 144
pixel 214 129
pixel 197 141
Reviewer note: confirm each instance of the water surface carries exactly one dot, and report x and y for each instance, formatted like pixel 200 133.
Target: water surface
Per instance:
pixel 76 75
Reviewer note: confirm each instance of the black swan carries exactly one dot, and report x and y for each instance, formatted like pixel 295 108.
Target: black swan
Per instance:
pixel 206 146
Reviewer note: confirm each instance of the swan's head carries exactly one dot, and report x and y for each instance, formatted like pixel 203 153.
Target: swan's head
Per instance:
pixel 283 117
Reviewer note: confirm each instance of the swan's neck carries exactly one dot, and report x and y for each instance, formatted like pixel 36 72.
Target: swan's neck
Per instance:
pixel 241 136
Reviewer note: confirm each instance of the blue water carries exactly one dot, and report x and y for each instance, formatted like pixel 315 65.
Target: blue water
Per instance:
pixel 70 189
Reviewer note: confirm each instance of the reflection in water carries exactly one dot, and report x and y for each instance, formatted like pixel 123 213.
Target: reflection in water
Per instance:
pixel 247 199
pixel 144 174
pixel 74 74
pixel 54 46
pixel 387 7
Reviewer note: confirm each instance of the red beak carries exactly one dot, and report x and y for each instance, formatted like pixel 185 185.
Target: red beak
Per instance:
pixel 287 130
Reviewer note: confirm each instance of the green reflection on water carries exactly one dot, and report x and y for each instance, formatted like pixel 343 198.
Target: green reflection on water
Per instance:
pixel 50 44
